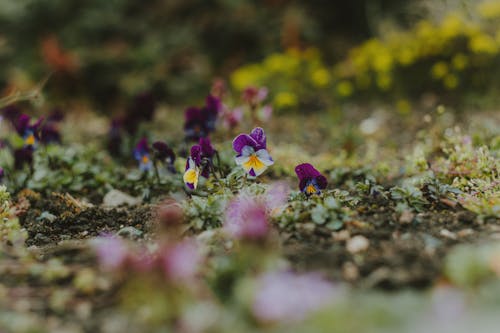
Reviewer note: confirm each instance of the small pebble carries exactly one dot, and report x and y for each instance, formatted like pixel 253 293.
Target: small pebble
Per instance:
pixel 357 244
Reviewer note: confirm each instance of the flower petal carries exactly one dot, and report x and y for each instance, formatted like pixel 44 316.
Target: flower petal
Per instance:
pixel 243 140
pixel 259 136
pixel 264 157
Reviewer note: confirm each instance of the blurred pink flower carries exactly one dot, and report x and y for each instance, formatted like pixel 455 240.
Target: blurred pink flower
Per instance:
pixel 290 297
pixel 181 261
pixel 111 251
pixel 253 95
pixel 247 216
pixel 232 119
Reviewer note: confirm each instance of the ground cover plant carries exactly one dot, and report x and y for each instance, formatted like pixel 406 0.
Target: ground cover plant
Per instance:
pixel 273 202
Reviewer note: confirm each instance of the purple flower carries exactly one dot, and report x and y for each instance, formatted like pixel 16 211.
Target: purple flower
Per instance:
pixel 181 261
pixel 289 297
pixel 199 162
pixel 247 216
pixel 311 181
pixel 200 122
pixel 111 251
pixel 50 131
pixel 23 156
pixel 141 154
pixel 252 153
pixel 29 132
pixel 2 174
pixel 165 154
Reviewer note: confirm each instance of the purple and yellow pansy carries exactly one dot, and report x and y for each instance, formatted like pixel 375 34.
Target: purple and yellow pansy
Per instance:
pixel 199 162
pixel 141 154
pixel 29 132
pixel 311 181
pixel 252 152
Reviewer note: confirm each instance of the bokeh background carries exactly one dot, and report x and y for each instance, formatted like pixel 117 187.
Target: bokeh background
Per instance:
pixel 312 55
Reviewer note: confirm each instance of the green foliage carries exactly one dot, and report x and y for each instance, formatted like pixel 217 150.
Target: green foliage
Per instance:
pixel 329 209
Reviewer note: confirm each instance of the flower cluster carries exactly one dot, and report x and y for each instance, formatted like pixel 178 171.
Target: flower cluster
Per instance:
pixel 177 261
pixel 456 52
pixel 161 153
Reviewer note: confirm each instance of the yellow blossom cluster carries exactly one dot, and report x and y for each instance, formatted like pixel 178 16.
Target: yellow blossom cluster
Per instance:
pixel 447 55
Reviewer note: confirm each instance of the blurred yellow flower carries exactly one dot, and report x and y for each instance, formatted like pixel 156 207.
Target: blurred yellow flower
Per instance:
pixel 460 61
pixel 483 43
pixel 285 99
pixel 247 76
pixel 439 70
pixel 345 88
pixel 450 81
pixel 320 77
pixel 384 81
pixel 280 63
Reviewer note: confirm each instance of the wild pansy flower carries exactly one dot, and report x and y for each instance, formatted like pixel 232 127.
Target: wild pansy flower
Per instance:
pixel 29 132
pixel 252 153
pixel 141 154
pixel 200 122
pixel 199 162
pixel 290 297
pixel 162 152
pixel 311 181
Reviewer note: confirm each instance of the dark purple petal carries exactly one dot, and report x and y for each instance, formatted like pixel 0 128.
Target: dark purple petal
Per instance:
pixel 205 171
pixel 213 105
pixel 321 181
pixel 2 174
pixel 22 124
pixel 243 140
pixel 163 151
pixel 196 154
pixel 192 114
pixel 50 134
pixel 259 136
pixel 207 149
pixel 57 115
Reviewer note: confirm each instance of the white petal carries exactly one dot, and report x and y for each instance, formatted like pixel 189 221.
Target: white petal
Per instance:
pixel 241 159
pixel 264 157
